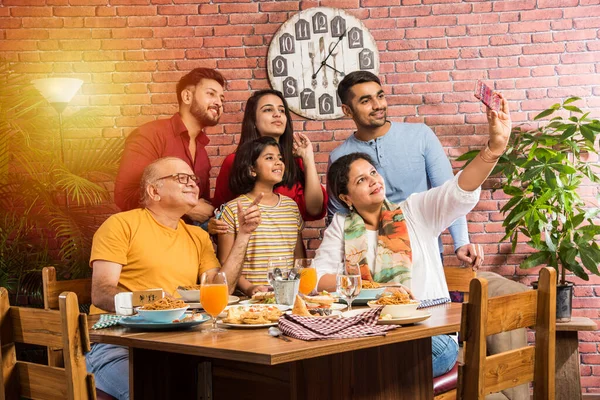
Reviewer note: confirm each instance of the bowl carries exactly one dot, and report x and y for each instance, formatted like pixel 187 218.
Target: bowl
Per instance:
pixel 369 294
pixel 162 316
pixel 189 295
pixel 397 310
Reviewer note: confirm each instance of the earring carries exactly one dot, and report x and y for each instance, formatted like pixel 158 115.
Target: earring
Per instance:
pixel 156 198
pixel 350 207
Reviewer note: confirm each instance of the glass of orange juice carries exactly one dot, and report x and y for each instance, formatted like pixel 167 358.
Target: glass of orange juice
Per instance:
pixel 214 295
pixel 308 275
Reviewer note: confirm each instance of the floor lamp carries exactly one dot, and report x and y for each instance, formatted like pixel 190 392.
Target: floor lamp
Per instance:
pixel 58 92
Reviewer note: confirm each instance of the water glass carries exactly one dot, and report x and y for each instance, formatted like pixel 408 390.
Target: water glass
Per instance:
pixel 348 283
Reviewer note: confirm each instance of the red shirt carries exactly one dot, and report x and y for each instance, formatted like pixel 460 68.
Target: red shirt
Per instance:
pixel 154 140
pixel 223 193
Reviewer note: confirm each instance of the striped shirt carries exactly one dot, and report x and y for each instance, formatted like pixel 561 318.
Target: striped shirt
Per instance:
pixel 276 236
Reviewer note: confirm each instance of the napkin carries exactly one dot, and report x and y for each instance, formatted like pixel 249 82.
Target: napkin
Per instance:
pixel 315 328
pixel 107 320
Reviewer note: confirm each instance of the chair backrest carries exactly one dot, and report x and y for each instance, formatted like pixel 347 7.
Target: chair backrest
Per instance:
pixel 481 375
pixel 65 328
pixel 458 279
pixel 53 288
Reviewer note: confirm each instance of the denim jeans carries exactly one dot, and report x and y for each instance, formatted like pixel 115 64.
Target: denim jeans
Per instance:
pixel 110 365
pixel 444 354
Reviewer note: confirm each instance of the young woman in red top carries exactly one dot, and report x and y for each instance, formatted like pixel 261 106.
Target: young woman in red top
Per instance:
pixel 267 114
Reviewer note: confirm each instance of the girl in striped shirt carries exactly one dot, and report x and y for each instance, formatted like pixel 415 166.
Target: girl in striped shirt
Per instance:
pixel 258 168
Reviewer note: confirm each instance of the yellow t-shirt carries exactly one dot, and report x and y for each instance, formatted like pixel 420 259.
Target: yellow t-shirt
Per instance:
pixel 152 255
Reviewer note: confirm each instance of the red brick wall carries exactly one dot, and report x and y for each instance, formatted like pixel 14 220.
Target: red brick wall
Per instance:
pixel 130 53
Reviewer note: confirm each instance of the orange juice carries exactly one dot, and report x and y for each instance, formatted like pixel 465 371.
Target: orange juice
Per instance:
pixel 308 280
pixel 214 298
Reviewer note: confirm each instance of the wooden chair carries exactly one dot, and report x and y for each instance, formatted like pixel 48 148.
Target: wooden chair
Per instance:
pixel 67 329
pixel 52 289
pixel 482 316
pixel 458 280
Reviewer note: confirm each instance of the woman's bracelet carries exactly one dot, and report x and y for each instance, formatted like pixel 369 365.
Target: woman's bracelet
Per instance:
pixel 487 156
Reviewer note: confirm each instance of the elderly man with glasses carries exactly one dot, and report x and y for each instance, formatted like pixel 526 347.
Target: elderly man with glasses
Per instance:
pixel 151 247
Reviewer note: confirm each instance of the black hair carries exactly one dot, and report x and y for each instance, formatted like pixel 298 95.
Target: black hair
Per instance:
pixel 354 78
pixel 337 176
pixel 194 77
pixel 241 180
pixel 293 172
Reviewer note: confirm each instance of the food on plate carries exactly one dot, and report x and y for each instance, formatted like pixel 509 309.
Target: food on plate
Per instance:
pixel 189 318
pixel 313 305
pixel 370 285
pixel 394 296
pixel 263 298
pixel 166 303
pixel 190 287
pixel 252 315
pixel 385 317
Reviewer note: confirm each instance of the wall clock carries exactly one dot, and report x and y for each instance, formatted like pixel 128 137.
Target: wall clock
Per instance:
pixel 311 53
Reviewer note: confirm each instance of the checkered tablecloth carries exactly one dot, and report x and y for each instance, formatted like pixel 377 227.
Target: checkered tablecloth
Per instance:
pixel 107 320
pixel 313 328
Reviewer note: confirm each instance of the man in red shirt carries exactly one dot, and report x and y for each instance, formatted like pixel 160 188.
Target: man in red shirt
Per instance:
pixel 200 96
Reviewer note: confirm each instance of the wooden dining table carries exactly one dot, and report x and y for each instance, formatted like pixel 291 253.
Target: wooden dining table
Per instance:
pixel 250 364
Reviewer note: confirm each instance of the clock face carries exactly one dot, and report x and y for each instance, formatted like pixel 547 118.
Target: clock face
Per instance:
pixel 311 53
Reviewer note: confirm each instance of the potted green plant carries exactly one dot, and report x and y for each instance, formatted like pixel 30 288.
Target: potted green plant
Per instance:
pixel 542 171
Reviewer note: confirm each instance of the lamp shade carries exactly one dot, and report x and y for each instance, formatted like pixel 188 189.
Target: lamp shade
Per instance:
pixel 57 90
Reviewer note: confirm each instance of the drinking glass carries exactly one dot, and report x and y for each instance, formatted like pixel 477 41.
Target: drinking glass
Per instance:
pixel 308 275
pixel 214 295
pixel 348 283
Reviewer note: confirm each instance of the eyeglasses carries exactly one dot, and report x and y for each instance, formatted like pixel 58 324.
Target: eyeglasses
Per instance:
pixel 182 178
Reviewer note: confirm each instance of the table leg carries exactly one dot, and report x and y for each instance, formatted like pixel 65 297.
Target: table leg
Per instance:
pixel 568 375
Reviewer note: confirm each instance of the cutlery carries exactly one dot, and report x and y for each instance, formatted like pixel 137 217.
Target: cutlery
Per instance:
pixel 323 58
pixel 311 54
pixel 276 333
pixel 333 50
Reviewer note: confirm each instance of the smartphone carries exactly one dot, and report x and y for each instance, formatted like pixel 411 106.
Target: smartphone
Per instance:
pixel 487 96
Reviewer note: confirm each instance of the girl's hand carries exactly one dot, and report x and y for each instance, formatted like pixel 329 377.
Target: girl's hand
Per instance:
pixel 257 288
pixel 302 147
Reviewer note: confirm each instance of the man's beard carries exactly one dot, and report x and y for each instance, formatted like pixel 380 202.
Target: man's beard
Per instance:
pixel 375 123
pixel 204 117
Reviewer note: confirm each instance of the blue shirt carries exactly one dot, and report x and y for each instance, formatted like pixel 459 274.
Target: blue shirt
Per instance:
pixel 410 158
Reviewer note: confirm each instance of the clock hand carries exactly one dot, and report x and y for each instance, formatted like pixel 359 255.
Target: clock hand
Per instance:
pixel 339 72
pixel 323 63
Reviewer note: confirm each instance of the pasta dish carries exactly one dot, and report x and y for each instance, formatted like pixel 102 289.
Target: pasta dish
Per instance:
pixel 370 285
pixel 190 287
pixel 166 303
pixel 391 298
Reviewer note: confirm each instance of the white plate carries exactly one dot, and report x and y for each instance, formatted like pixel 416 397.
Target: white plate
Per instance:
pixel 334 306
pixel 281 307
pixel 232 300
pixel 418 316
pixel 247 326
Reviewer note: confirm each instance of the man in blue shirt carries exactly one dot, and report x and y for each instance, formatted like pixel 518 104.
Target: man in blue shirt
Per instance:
pixel 408 156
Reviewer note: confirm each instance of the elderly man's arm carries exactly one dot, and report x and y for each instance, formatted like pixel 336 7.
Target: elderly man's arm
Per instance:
pixel 105 279
pixel 249 220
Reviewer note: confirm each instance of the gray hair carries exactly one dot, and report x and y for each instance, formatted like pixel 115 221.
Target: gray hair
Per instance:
pixel 150 175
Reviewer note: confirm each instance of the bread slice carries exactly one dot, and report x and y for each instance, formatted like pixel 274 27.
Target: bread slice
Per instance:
pixel 300 307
